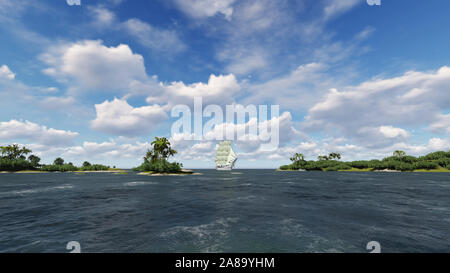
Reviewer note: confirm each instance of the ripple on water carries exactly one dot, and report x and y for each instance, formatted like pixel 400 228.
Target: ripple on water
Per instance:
pixel 208 237
pixel 139 183
pixel 38 190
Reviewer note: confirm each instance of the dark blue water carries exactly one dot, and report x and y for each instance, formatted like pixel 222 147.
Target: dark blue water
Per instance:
pixel 242 211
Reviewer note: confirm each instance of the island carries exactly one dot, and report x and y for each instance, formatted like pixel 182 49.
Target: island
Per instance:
pixel 399 162
pixel 156 160
pixel 13 159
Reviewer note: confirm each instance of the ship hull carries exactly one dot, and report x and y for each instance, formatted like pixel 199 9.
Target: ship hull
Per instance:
pixel 224 168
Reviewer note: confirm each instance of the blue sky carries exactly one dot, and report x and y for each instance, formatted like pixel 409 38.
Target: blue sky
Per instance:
pixel 97 80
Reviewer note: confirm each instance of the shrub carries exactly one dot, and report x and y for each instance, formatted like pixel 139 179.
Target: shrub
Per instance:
pixel 427 165
pixel 360 164
pixel 339 167
pixel 95 167
pixel 436 155
pixel 15 165
pixel 160 167
pixel 59 168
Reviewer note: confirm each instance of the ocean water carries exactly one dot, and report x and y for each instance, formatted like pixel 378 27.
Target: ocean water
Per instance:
pixel 239 211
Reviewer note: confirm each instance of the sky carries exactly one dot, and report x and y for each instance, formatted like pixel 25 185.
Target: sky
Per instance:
pixel 96 80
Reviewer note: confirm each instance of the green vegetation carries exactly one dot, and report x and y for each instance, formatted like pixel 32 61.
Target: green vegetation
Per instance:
pixel 156 159
pixel 399 161
pixel 13 159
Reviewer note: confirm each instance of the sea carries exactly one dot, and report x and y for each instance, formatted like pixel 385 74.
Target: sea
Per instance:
pixel 241 211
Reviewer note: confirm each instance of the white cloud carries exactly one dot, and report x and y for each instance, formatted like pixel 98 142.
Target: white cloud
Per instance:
pixel 103 17
pixel 152 37
pixel 105 150
pixel 250 148
pixel 18 130
pixel 218 90
pixel 57 102
pixel 297 90
pixel 6 73
pixel 413 99
pixel 441 125
pixel 391 132
pixel 244 62
pixel 119 118
pixel 73 2
pixel 206 8
pixel 334 8
pixel 95 66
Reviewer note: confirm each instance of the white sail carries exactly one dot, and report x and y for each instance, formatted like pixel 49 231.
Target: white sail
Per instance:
pixel 225 156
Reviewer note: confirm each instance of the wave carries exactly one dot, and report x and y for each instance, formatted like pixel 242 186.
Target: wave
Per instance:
pixel 207 237
pixel 139 183
pixel 38 190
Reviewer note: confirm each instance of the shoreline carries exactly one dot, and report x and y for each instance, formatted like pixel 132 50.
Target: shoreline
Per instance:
pixel 39 172
pixel 375 171
pixel 182 173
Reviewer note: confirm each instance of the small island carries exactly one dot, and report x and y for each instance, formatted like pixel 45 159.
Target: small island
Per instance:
pixel 156 160
pixel 13 159
pixel 398 162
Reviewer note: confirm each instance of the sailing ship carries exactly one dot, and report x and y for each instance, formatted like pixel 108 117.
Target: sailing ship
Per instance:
pixel 225 156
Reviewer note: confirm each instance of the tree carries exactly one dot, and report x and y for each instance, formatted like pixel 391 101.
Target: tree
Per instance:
pixel 13 152
pixel 86 164
pixel 58 162
pixel 334 156
pixel 399 153
pixel 34 160
pixel 322 158
pixel 156 159
pixel 297 157
pixel 162 150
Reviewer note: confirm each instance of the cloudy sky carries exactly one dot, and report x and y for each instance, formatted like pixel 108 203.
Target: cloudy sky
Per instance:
pixel 96 80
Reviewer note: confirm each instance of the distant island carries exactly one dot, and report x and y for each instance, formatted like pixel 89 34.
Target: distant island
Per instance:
pixel 398 162
pixel 156 160
pixel 14 159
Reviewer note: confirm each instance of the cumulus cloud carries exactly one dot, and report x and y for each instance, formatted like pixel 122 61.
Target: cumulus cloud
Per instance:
pixel 252 147
pixel 117 117
pixel 413 99
pixel 299 89
pixel 206 8
pixel 94 65
pixel 19 130
pixel 109 152
pixel 6 73
pixel 218 90
pixel 441 125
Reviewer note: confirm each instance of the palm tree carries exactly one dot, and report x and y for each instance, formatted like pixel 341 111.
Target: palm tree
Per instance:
pixel 334 156
pixel 297 157
pixel 161 149
pixel 322 158
pixel 399 153
pixel 12 152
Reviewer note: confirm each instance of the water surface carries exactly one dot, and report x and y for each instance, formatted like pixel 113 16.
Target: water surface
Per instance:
pixel 241 211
